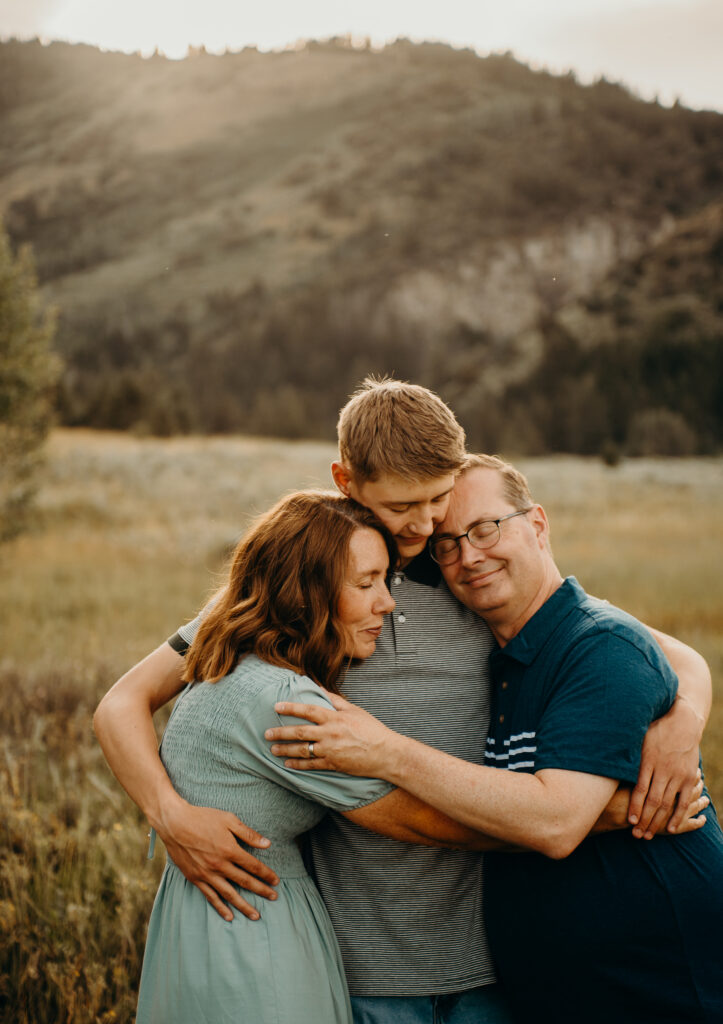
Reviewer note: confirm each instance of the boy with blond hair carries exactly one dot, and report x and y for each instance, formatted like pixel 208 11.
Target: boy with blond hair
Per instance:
pixel 408 918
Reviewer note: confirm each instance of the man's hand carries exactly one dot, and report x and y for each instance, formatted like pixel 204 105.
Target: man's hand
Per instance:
pixel 668 771
pixel 202 843
pixel 348 739
pixel 615 815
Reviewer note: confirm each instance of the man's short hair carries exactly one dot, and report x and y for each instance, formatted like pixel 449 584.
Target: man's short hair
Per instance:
pixel 514 484
pixel 389 426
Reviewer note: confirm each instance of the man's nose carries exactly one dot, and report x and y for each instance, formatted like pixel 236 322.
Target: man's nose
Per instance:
pixel 469 554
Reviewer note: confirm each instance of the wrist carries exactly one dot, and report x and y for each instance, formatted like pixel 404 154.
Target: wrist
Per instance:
pixel 397 760
pixel 162 812
pixel 684 705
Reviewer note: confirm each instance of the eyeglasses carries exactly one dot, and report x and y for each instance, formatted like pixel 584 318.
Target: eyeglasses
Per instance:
pixel 446 550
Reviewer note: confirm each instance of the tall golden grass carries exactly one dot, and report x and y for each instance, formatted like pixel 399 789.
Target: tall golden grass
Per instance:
pixel 128 535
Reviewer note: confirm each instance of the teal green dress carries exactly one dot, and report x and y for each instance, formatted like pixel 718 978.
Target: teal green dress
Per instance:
pixel 285 968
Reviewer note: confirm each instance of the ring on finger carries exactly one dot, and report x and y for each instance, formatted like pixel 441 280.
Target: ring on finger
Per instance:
pixel 310 749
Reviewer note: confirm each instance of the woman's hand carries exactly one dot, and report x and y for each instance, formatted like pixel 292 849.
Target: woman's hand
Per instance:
pixel 345 740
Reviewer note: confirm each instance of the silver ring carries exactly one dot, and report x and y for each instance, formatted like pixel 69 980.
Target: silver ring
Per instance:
pixel 310 748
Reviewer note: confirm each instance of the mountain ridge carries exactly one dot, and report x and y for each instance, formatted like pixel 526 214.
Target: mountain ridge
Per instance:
pixel 320 213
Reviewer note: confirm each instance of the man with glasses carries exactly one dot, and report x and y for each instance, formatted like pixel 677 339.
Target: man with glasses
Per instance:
pixel 592 928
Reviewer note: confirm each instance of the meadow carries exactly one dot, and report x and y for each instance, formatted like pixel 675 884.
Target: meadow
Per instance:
pixel 129 536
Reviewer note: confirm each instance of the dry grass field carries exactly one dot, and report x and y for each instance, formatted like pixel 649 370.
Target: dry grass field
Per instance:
pixel 128 535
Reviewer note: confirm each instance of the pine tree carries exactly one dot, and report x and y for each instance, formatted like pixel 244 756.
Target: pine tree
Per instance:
pixel 28 373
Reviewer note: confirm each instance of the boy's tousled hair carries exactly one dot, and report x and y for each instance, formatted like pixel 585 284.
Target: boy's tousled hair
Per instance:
pixel 389 426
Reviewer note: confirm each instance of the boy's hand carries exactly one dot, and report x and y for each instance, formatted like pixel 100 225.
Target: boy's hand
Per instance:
pixel 202 843
pixel 668 771
pixel 615 815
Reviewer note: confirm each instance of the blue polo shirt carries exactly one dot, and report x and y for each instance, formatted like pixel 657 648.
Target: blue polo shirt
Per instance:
pixel 622 930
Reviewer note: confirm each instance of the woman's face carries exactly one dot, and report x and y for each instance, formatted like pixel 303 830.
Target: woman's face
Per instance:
pixel 364 599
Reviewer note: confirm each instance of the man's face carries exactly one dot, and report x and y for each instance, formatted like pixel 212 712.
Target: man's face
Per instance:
pixel 503 579
pixel 409 510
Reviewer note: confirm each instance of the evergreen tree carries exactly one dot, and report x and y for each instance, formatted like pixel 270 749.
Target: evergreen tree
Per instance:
pixel 28 372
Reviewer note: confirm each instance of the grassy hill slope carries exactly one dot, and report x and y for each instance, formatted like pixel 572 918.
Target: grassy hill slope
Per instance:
pixel 233 241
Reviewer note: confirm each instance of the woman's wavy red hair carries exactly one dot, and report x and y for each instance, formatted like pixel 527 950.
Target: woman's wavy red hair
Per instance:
pixel 282 594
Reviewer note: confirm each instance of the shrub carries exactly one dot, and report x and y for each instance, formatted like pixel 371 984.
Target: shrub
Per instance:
pixel 610 453
pixel 28 372
pixel 660 432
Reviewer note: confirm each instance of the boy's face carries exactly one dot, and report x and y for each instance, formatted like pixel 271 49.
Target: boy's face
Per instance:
pixel 409 509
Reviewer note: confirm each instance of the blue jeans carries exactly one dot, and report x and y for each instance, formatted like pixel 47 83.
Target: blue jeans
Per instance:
pixel 484 1005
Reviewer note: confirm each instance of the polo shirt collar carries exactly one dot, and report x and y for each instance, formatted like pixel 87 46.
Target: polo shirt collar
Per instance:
pixel 423 569
pixel 534 634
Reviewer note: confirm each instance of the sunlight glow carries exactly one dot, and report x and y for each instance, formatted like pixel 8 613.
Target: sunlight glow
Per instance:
pixel 664 47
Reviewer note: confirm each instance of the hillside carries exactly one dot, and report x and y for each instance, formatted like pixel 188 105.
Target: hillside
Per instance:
pixel 234 241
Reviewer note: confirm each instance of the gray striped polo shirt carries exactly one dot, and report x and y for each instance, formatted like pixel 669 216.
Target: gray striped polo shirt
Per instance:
pixel 409 918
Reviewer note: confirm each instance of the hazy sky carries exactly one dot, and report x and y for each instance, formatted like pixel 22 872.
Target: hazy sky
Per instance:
pixel 669 48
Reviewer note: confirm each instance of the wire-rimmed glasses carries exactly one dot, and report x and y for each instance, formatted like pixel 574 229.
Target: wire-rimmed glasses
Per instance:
pixel 446 550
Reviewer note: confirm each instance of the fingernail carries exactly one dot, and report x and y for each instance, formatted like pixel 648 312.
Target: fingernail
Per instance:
pixel 637 832
pixel 633 819
pixel 280 707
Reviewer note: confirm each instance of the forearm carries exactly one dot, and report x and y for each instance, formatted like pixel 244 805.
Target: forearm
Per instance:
pixel 670 755
pixel 614 816
pixel 513 807
pixel 694 679
pixel 123 724
pixel 203 842
pixel 404 817
pixel 430 827
pixel 551 811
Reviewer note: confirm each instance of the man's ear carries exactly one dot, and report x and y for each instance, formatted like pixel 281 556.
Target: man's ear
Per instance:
pixel 540 524
pixel 341 475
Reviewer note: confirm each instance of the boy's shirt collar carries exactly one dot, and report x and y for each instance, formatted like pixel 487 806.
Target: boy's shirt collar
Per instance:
pixel 423 569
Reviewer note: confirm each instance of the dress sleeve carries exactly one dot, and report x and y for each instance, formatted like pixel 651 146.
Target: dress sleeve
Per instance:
pixel 330 789
pixel 608 691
